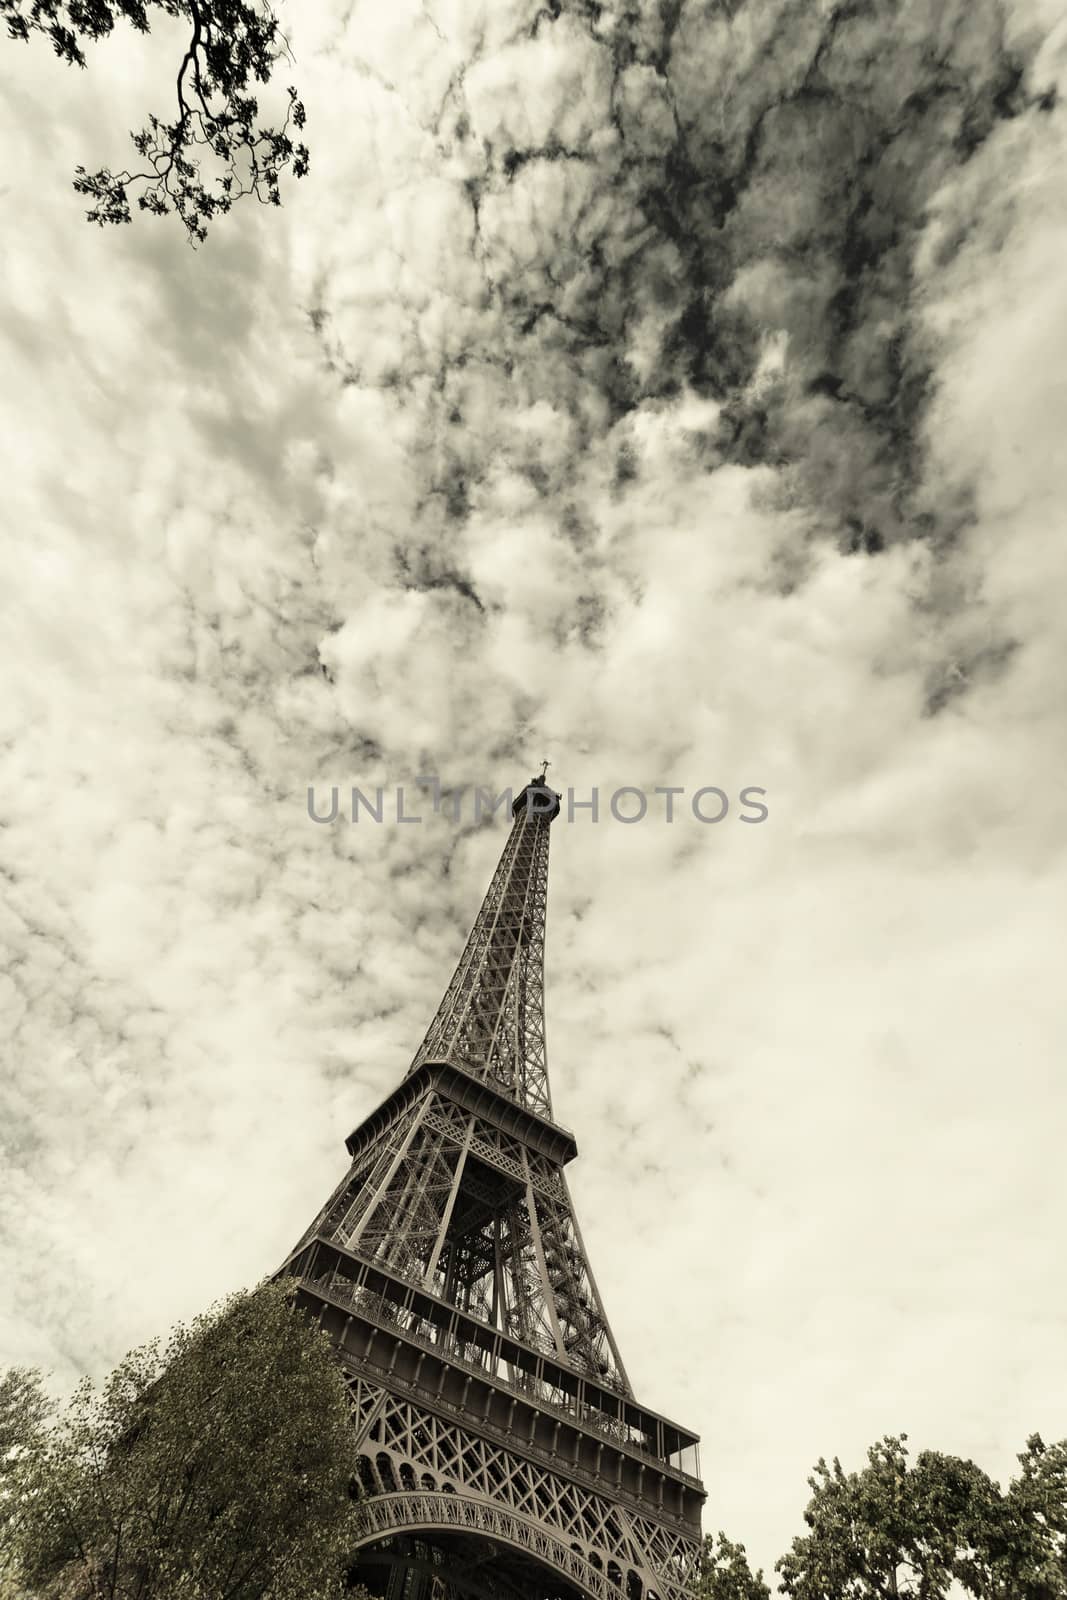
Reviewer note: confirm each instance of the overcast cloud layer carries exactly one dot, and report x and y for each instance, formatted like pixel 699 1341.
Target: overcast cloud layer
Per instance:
pixel 674 392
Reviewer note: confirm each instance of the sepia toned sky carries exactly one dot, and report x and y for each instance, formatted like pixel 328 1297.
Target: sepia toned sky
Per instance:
pixel 675 393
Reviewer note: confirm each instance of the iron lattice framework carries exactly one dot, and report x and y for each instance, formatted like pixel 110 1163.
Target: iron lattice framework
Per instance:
pixel 503 1452
pixel 492 1017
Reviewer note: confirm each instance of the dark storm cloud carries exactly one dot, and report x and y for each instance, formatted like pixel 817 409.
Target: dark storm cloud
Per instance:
pixel 667 203
pixel 740 172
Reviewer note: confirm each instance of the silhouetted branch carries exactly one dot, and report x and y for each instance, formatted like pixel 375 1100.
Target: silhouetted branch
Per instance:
pixel 231 43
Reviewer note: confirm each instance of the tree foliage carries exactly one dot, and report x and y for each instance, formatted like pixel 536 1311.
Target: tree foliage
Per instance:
pixel 220 1467
pixel 899 1532
pixel 24 1411
pixel 723 1573
pixel 214 151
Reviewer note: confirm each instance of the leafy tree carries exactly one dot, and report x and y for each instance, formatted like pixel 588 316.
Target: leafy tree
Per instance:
pixel 219 1468
pixel 723 1573
pixel 232 44
pixel 24 1410
pixel 1030 1557
pixel 894 1532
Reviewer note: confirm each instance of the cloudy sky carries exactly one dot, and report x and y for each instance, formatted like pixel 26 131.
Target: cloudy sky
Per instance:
pixel 676 392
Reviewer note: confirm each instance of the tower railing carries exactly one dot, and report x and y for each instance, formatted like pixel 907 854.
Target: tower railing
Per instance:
pixel 378 1309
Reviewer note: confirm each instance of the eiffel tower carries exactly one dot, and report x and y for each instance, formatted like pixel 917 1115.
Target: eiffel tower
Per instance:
pixel 503 1455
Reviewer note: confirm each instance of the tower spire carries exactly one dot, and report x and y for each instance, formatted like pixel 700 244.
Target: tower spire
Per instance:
pixel 491 1021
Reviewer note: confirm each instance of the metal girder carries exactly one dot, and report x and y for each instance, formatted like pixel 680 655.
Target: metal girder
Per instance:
pixel 492 1018
pixel 450 1202
pixel 421 1472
